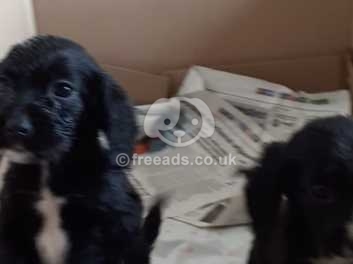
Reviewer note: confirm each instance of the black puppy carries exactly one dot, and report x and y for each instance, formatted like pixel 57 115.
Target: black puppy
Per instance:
pixel 63 198
pixel 300 197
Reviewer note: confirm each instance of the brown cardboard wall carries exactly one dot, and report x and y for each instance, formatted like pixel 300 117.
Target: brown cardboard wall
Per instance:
pixel 159 35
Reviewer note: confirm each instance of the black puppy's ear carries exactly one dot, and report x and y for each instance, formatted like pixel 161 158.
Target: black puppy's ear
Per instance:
pixel 114 116
pixel 264 190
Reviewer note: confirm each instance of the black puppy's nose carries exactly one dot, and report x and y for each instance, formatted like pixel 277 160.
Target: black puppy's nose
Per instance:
pixel 321 193
pixel 20 127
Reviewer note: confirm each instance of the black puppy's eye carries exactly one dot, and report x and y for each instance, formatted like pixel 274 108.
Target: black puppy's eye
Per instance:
pixel 63 89
pixel 321 193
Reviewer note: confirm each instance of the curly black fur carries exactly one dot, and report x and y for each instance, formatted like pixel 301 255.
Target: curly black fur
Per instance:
pixel 300 196
pixel 103 213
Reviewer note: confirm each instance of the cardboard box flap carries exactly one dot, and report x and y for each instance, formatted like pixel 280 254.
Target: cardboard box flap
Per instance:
pixel 314 74
pixel 143 88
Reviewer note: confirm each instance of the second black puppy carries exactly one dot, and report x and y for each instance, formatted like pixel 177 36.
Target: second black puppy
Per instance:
pixel 300 197
pixel 63 198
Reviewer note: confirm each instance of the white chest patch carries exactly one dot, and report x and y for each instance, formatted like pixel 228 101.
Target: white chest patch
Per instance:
pixel 4 167
pixel 51 242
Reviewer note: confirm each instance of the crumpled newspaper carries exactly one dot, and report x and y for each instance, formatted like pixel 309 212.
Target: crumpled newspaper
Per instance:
pixel 180 243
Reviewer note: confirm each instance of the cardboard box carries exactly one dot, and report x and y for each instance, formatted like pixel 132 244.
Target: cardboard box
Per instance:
pixel 297 43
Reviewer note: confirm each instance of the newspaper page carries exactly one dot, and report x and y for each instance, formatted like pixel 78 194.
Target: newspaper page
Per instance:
pixel 229 212
pixel 276 108
pixel 191 185
pixel 290 111
pixel 249 113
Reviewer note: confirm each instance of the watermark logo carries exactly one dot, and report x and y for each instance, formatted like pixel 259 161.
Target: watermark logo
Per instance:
pixel 164 118
pixel 124 160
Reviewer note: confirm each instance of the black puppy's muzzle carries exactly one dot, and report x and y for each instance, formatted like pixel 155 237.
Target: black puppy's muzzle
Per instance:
pixel 321 194
pixel 18 129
